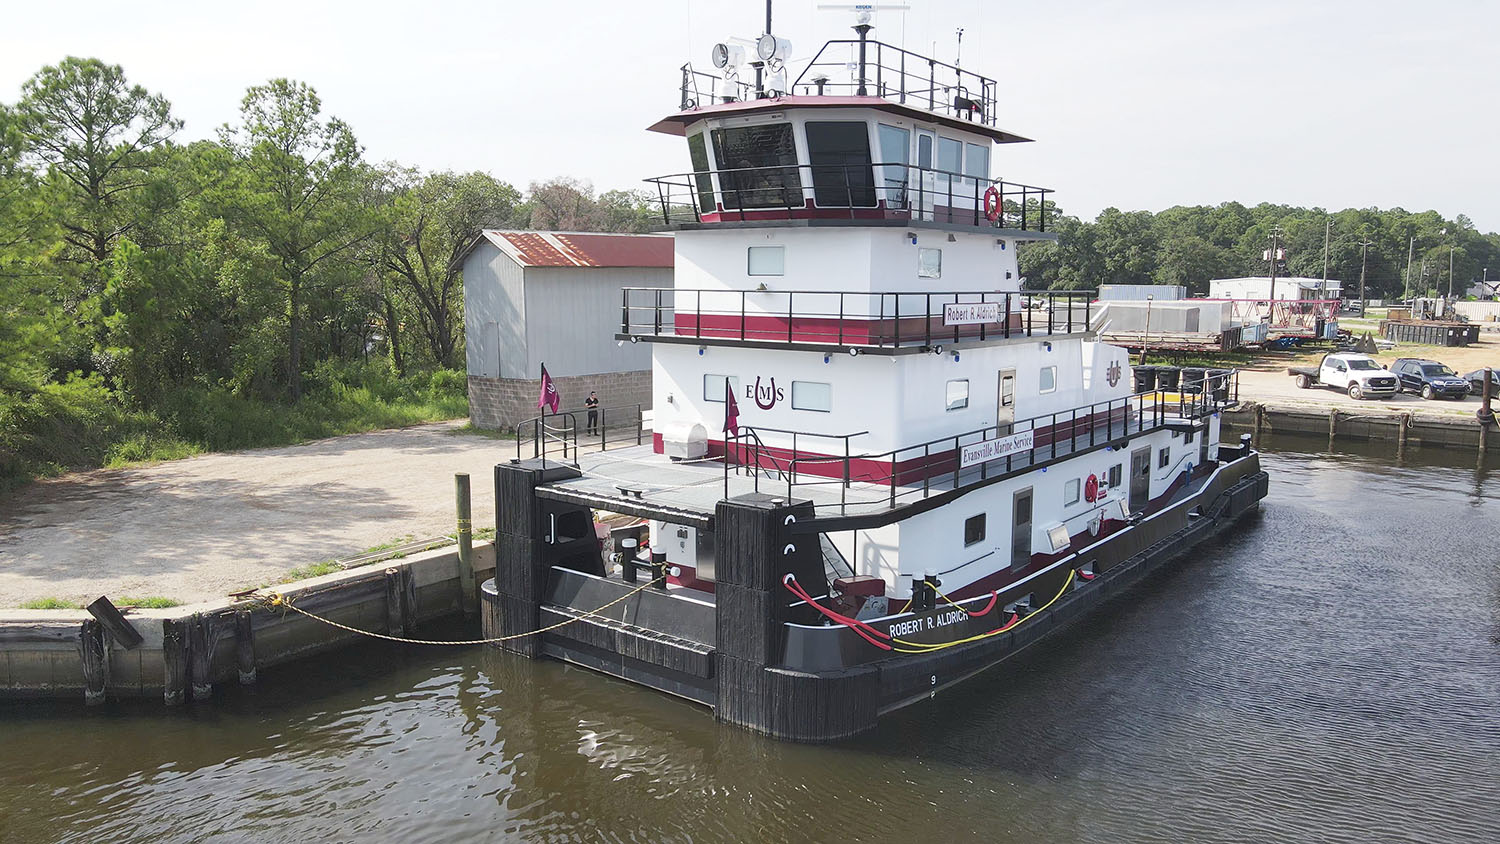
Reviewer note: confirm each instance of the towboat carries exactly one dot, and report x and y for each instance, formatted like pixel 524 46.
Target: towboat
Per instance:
pixel 878 463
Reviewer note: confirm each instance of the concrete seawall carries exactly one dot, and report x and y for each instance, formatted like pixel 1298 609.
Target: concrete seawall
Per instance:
pixel 185 650
pixel 1334 423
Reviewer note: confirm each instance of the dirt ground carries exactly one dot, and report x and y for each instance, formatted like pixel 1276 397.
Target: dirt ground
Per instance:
pixel 1265 380
pixel 200 528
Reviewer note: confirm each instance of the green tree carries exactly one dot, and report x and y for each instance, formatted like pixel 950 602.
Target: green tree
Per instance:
pixel 430 221
pixel 296 191
pixel 98 136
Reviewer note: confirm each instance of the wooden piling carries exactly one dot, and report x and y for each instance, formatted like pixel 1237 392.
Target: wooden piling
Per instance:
pixel 1402 430
pixel 94 649
pixel 174 646
pixel 1484 437
pixel 1333 424
pixel 201 647
pixel 244 647
pixel 465 544
pixel 393 599
pixel 1258 422
pixel 114 623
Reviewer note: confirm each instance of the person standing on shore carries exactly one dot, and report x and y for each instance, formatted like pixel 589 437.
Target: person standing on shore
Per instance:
pixel 592 403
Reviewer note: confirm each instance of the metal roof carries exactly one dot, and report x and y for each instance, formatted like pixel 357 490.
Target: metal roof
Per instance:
pixel 579 249
pixel 677 124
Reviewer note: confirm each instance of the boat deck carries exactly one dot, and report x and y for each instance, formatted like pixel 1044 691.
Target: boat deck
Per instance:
pixel 638 481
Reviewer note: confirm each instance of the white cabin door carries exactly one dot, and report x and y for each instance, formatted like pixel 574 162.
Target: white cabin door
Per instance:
pixel 1005 401
pixel 1140 479
pixel 924 182
pixel 1020 529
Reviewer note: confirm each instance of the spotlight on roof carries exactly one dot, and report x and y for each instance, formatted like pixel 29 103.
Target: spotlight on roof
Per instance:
pixel 770 47
pixel 727 55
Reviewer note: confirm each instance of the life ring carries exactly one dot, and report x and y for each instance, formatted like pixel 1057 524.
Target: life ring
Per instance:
pixel 992 203
pixel 1091 488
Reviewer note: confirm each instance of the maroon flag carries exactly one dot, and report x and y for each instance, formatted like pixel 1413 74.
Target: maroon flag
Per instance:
pixel 549 398
pixel 731 411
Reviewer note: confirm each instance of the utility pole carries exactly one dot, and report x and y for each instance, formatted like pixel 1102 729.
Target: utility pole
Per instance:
pixel 1272 257
pixel 1411 248
pixel 1364 253
pixel 1450 270
pixel 1327 231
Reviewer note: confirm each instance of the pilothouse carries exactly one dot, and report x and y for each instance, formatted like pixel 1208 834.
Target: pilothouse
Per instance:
pixel 879 463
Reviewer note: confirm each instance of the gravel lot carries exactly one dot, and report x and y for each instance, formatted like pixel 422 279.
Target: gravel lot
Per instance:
pixel 199 528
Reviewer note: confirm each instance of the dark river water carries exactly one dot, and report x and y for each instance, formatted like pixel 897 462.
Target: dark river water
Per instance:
pixel 1330 674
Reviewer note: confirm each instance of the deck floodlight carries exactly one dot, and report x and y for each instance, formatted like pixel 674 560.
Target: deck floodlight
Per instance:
pixel 770 47
pixel 728 55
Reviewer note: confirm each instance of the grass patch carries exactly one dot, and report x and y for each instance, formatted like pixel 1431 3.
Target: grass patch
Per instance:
pixel 51 604
pixel 485 534
pixel 82 423
pixel 150 602
pixel 386 546
pixel 311 570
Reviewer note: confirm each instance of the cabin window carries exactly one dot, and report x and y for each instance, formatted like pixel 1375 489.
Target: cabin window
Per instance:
pixel 1070 492
pixel 698 153
pixel 1048 380
pixel 957 395
pixel 895 152
pixel 924 151
pixel 929 263
pixel 1164 458
pixel 977 161
pixel 766 260
pixel 713 386
pixel 950 160
pixel 761 166
pixel 1116 472
pixel 974 530
pixel 1187 437
pixel 812 395
pixel 839 152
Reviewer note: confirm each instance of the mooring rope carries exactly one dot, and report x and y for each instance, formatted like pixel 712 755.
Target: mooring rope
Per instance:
pixel 871 635
pixel 276 599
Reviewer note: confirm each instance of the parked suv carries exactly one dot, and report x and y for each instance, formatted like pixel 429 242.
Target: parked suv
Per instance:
pixel 1430 378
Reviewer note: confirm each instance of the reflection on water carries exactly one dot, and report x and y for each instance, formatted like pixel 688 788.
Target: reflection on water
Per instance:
pixel 1331 674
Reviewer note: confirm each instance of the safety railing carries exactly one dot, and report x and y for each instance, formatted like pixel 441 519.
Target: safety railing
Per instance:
pixel 900 76
pixel 562 433
pixel 895 190
pixel 835 318
pixel 941 465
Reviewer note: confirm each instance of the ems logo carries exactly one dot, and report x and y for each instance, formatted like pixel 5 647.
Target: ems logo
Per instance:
pixel 1112 374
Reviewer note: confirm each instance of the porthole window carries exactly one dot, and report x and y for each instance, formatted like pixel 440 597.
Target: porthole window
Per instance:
pixel 766 260
pixel 956 397
pixel 929 262
pixel 812 395
pixel 713 386
pixel 974 530
pixel 1048 380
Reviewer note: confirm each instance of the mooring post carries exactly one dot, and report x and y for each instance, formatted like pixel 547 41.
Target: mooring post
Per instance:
pixel 174 645
pixel 94 648
pixel 465 544
pixel 244 647
pixel 200 657
pixel 395 601
pixel 1402 431
pixel 1333 422
pixel 1257 421
pixel 1484 437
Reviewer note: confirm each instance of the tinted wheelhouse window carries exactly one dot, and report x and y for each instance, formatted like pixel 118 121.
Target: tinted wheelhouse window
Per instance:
pixel 698 152
pixel 950 160
pixel 761 166
pixel 895 154
pixel 839 152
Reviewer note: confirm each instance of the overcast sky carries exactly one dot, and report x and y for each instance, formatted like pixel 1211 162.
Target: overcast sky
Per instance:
pixel 1137 105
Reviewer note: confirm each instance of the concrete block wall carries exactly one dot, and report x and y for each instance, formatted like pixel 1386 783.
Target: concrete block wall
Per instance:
pixel 500 403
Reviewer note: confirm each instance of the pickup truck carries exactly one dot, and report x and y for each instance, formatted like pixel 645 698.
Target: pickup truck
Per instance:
pixel 1361 376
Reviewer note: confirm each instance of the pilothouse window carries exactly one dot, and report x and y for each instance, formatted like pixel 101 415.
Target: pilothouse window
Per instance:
pixel 698 152
pixel 758 166
pixel 839 152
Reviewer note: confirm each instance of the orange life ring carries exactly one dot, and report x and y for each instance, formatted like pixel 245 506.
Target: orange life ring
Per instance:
pixel 1091 488
pixel 992 203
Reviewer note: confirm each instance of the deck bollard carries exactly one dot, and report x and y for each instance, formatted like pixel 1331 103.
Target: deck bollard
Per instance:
pixel 466 582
